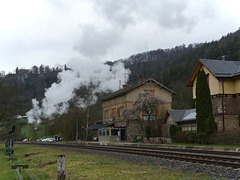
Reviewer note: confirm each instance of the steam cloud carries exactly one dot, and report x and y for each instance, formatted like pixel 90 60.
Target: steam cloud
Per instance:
pixel 81 74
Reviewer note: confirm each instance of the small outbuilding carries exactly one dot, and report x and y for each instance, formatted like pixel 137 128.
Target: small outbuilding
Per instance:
pixel 185 119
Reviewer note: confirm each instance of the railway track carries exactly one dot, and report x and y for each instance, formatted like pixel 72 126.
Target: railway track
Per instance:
pixel 217 158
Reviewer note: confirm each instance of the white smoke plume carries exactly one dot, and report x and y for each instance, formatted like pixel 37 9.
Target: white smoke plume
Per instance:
pixel 83 73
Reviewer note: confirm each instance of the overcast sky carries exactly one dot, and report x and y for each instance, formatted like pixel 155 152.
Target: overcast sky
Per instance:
pixel 52 32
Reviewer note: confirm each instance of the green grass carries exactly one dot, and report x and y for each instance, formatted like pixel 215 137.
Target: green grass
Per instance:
pixel 41 131
pixel 5 166
pixel 42 162
pixel 22 120
pixel 25 130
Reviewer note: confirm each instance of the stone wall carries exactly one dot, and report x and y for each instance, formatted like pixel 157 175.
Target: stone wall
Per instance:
pixel 231 106
pixel 157 140
pixel 165 129
pixel 219 124
pixel 133 130
pixel 166 126
pixel 230 123
pixel 109 139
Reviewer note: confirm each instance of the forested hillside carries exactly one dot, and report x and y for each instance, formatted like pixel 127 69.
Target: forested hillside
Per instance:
pixel 31 84
pixel 171 67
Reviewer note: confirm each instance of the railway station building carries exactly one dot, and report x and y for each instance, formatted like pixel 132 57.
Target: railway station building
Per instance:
pixel 114 127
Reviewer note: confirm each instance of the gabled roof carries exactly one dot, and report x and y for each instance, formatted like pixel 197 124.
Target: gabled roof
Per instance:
pixel 131 87
pixel 219 68
pixel 99 126
pixel 180 116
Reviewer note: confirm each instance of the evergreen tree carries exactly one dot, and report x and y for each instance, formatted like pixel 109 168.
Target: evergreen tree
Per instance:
pixel 203 101
pixel 173 131
pixel 210 126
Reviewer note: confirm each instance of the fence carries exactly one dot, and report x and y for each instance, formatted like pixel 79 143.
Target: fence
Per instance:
pixel 157 140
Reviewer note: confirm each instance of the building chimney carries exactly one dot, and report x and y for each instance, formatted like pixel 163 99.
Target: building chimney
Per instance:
pixel 120 84
pixel 224 58
pixel 140 79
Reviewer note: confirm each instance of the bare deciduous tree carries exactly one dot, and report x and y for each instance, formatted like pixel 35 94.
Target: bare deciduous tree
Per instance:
pixel 144 109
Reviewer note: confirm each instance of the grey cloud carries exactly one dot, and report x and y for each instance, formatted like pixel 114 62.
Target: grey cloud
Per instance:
pixel 120 13
pixel 183 14
pixel 171 14
pixel 95 42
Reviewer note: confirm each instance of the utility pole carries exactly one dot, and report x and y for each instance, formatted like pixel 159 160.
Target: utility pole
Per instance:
pixel 87 124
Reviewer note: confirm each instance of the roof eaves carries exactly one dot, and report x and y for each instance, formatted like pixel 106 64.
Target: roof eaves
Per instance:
pixel 129 88
pixel 162 86
pixel 176 114
pixel 187 121
pixel 194 74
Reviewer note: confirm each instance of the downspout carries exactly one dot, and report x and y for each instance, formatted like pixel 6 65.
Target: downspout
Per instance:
pixel 125 108
pixel 125 103
pixel 223 105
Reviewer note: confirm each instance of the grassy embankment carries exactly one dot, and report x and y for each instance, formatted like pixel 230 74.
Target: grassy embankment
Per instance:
pixel 42 162
pixel 26 130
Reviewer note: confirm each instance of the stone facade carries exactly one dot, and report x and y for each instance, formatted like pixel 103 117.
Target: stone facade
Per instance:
pixel 133 130
pixel 226 110
pixel 109 139
pixel 231 104
pixel 165 129
pixel 230 123
pixel 166 126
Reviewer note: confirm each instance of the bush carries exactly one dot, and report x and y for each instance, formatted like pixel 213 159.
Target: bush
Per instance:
pixel 226 139
pixel 199 138
pixel 192 136
pixel 23 123
pixel 148 131
pixel 182 137
pixel 173 131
